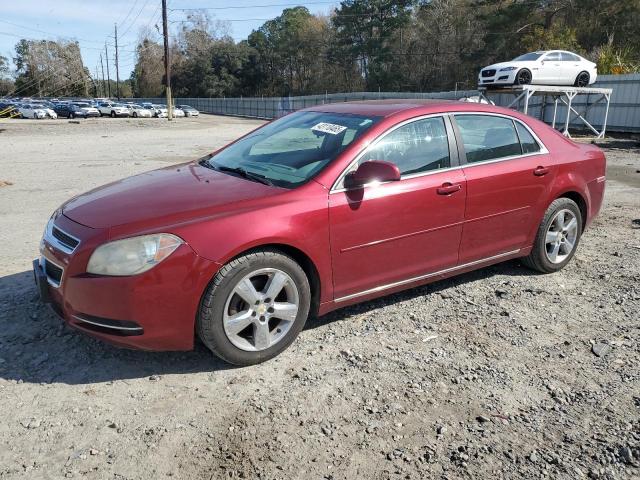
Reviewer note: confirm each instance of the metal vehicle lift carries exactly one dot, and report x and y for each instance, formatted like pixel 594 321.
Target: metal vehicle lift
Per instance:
pixel 564 95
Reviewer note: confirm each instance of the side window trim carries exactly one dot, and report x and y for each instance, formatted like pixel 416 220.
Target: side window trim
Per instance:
pixel 463 156
pixel 453 150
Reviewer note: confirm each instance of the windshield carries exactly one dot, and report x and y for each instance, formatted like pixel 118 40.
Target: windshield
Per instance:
pixel 528 57
pixel 293 149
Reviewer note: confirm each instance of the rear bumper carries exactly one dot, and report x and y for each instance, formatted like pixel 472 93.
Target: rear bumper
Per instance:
pixel 155 310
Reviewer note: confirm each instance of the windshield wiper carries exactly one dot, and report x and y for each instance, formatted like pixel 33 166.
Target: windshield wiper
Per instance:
pixel 245 174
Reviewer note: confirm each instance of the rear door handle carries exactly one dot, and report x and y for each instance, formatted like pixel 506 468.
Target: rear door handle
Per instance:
pixel 449 188
pixel 540 171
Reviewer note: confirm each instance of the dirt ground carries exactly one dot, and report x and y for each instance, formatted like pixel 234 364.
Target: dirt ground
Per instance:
pixel 500 373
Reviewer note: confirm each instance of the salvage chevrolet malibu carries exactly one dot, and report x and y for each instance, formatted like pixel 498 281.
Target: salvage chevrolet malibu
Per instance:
pixel 320 209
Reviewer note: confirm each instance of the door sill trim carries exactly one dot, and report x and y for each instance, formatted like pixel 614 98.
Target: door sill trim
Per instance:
pixel 389 286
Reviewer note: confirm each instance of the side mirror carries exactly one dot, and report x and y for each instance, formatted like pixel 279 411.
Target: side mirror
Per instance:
pixel 372 171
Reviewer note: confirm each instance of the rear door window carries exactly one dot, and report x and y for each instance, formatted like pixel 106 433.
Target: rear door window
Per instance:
pixel 488 137
pixel 529 144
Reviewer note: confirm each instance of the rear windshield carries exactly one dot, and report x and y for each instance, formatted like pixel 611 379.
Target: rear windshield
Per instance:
pixel 290 151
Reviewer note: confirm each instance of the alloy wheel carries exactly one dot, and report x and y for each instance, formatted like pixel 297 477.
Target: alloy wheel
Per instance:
pixel 583 79
pixel 261 309
pixel 561 237
pixel 523 77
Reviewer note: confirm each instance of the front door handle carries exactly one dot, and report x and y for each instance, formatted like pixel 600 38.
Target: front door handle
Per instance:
pixel 540 171
pixel 449 188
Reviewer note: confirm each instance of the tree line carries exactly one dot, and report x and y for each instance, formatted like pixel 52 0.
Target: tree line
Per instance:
pixel 371 45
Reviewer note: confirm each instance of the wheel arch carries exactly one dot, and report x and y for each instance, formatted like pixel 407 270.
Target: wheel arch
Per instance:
pixel 580 200
pixel 302 258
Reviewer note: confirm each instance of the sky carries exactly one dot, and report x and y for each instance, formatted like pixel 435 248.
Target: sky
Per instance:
pixel 91 22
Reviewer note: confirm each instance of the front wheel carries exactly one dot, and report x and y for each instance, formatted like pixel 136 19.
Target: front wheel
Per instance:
pixel 557 238
pixel 254 308
pixel 523 77
pixel 113 114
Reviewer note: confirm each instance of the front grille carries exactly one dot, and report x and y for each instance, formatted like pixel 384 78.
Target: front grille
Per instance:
pixel 65 239
pixel 488 73
pixel 54 272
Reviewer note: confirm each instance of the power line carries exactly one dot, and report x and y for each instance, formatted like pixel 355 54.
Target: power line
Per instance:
pixel 135 19
pixel 264 5
pixel 48 33
pixel 42 40
pixel 128 14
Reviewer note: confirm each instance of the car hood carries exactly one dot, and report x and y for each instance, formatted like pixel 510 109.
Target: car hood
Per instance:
pixel 167 196
pixel 498 66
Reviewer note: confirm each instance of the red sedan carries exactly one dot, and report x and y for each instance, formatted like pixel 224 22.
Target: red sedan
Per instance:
pixel 323 208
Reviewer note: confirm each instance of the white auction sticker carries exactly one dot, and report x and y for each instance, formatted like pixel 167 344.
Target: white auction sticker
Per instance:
pixel 331 128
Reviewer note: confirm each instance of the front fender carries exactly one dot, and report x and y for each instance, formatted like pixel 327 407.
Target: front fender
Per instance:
pixel 299 221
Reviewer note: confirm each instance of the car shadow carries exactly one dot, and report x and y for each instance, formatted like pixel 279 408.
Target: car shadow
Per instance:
pixel 509 268
pixel 36 346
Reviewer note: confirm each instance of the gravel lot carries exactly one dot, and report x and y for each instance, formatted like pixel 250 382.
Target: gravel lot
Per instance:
pixel 500 373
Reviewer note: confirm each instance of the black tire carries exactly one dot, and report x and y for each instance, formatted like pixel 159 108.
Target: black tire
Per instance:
pixel 113 114
pixel 209 324
pixel 538 259
pixel 135 114
pixel 72 115
pixel 523 77
pixel 582 80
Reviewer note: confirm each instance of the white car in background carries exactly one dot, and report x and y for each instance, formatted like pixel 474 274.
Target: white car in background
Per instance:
pixel 48 110
pixel 550 67
pixel 113 109
pixel 188 110
pixel 28 110
pixel 160 110
pixel 88 110
pixel 139 111
pixel 178 112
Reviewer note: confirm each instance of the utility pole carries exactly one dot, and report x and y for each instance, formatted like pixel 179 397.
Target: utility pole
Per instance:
pixel 106 55
pixel 97 82
pixel 102 65
pixel 167 64
pixel 117 69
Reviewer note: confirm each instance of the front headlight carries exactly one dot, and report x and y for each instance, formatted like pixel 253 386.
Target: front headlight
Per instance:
pixel 507 69
pixel 131 256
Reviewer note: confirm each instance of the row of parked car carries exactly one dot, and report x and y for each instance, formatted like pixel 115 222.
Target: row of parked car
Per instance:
pixel 27 108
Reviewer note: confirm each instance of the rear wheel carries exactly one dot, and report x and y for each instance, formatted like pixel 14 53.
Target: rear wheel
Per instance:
pixel 582 80
pixel 72 115
pixel 523 77
pixel 113 114
pixel 254 308
pixel 557 238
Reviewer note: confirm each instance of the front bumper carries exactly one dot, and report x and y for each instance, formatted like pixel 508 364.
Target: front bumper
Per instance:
pixel 155 310
pixel 498 79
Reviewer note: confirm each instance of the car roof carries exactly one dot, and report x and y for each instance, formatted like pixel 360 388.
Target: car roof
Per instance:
pixel 381 108
pixel 386 108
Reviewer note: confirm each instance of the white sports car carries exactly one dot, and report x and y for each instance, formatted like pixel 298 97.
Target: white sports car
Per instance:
pixel 552 67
